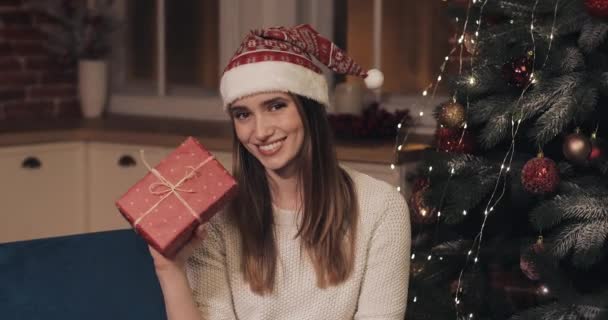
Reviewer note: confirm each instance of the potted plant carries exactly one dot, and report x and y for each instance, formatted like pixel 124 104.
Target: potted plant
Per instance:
pixel 81 34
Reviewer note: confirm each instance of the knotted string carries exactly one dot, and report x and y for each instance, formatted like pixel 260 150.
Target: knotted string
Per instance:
pixel 169 187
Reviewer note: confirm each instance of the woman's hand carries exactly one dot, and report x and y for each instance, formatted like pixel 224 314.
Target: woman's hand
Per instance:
pixel 178 263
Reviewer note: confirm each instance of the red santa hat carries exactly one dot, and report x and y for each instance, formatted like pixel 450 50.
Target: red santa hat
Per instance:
pixel 282 59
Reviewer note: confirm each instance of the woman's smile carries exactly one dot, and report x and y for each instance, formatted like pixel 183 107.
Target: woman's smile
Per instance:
pixel 271 148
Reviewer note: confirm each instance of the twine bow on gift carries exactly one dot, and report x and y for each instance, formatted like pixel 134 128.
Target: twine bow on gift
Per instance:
pixel 167 188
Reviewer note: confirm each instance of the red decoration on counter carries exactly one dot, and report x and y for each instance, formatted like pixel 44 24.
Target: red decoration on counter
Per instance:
pixel 374 123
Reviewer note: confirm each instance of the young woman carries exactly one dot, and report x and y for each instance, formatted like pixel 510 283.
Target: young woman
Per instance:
pixel 305 238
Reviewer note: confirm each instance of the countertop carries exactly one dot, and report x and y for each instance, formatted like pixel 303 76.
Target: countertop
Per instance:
pixel 167 132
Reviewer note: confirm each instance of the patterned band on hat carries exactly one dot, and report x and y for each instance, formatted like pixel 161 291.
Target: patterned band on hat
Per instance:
pixel 283 59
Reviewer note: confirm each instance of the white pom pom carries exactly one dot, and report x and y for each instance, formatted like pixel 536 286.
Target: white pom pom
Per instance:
pixel 374 79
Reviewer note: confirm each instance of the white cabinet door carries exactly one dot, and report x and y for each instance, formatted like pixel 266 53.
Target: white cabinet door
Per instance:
pixel 225 158
pixel 113 169
pixel 42 191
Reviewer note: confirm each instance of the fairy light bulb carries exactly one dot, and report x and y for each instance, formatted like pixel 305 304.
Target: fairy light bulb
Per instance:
pixel 544 290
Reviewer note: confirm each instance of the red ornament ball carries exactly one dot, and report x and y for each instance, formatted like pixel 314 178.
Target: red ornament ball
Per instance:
pixel 598 8
pixel 518 71
pixel 598 151
pixel 525 263
pixel 421 213
pixel 540 175
pixel 454 140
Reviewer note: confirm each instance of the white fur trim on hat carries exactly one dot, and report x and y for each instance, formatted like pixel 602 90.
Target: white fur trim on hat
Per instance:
pixel 269 76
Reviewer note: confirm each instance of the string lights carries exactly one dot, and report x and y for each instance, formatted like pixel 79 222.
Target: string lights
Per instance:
pixel 508 159
pixel 498 192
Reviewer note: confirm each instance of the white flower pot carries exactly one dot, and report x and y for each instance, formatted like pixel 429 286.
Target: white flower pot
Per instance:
pixel 92 87
pixel 348 98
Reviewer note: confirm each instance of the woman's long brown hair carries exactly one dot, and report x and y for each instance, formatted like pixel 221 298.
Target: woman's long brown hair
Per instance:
pixel 329 214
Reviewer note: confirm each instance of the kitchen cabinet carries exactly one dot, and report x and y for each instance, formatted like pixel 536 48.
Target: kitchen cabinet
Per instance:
pixel 112 170
pixel 57 189
pixel 42 193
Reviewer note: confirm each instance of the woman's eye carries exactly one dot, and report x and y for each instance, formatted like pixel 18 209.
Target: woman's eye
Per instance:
pixel 240 115
pixel 278 105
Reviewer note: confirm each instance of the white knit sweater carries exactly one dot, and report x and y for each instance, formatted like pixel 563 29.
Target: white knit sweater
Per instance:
pixel 377 288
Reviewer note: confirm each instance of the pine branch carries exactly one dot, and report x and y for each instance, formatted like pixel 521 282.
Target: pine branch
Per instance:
pixel 487 79
pixel 590 312
pixel 571 18
pixel 565 60
pixel 592 35
pixel 580 206
pixel 484 109
pixel 590 245
pixel 496 129
pixel 476 175
pixel 548 90
pixel 554 121
pixel 584 239
pixel 587 98
pixel 555 311
pixel 551 311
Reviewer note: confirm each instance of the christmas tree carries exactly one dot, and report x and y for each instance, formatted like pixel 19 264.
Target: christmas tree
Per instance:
pixel 510 206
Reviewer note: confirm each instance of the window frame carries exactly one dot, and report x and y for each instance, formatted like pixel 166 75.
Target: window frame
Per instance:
pixel 234 21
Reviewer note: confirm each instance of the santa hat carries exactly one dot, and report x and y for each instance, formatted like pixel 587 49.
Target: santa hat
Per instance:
pixel 281 59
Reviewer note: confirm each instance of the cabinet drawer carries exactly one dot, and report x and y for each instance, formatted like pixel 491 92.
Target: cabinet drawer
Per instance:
pixel 42 193
pixel 113 169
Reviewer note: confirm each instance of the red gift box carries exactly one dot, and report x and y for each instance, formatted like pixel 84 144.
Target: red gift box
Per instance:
pixel 184 190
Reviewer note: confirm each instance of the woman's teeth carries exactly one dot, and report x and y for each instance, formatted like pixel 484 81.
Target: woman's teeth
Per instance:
pixel 271 147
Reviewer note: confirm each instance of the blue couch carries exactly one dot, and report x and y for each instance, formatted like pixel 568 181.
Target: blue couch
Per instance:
pixel 105 275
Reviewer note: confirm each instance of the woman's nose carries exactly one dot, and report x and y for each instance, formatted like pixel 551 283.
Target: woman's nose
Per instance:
pixel 263 128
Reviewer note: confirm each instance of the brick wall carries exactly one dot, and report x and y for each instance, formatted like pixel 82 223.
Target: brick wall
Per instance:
pixel 32 84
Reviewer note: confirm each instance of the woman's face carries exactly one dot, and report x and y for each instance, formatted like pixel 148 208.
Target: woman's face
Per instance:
pixel 271 129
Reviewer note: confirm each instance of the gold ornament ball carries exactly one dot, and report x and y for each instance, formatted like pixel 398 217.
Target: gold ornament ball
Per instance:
pixel 451 115
pixel 577 148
